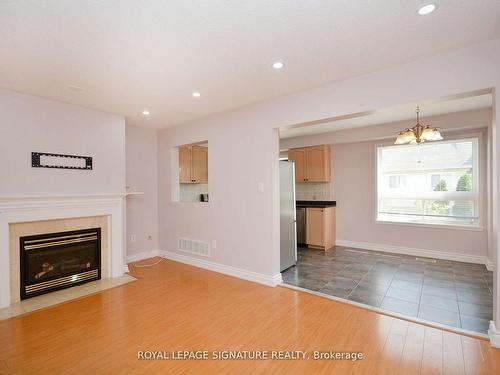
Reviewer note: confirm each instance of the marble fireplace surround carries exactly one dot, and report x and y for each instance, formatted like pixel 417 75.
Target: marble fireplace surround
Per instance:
pixel 54 214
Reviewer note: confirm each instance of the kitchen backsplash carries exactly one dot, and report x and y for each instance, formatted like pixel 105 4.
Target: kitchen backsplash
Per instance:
pixel 191 192
pixel 321 191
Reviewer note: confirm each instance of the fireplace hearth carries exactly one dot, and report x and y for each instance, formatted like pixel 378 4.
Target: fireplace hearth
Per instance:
pixel 55 261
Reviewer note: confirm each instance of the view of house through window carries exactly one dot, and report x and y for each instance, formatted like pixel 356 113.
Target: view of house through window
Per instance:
pixel 431 183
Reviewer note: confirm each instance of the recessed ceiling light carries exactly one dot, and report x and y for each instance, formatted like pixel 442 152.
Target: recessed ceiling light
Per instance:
pixel 426 9
pixel 196 94
pixel 278 65
pixel 145 113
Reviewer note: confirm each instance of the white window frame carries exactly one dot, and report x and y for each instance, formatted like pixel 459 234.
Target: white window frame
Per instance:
pixel 477 179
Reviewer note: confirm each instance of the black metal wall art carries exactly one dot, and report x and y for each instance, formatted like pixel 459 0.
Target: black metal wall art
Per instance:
pixel 47 160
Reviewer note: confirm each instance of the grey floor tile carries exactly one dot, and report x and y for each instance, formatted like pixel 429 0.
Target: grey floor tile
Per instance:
pixel 439 291
pixel 403 284
pixel 428 280
pixel 470 279
pixel 315 285
pixel 372 287
pixel 368 298
pixel 439 275
pixel 351 274
pixel 475 324
pixel 472 287
pixel 477 298
pixel 447 292
pixel 439 316
pixel 478 311
pixel 439 268
pixel 439 302
pixel 404 294
pixel 411 267
pixel 415 277
pixel 378 279
pixel 400 306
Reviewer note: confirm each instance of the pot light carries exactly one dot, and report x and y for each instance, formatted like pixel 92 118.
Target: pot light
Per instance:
pixel 278 65
pixel 196 94
pixel 145 113
pixel 426 9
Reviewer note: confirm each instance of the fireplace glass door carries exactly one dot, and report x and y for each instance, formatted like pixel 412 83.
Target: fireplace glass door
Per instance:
pixel 59 260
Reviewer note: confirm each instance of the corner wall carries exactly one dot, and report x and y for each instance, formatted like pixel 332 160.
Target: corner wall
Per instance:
pixel 142 176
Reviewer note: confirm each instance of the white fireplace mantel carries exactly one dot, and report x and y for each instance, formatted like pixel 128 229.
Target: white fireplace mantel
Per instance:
pixel 17 209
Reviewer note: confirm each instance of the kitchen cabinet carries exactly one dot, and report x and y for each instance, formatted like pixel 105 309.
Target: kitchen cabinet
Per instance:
pixel 312 164
pixel 320 227
pixel 193 164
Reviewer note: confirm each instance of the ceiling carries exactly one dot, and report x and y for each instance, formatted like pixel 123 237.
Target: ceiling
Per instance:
pixel 126 56
pixel 392 114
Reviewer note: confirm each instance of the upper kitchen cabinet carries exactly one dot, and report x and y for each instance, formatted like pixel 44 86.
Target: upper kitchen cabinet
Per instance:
pixel 312 164
pixel 193 164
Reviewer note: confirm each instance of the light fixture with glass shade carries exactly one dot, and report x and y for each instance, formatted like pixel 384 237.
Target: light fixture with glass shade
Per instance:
pixel 418 134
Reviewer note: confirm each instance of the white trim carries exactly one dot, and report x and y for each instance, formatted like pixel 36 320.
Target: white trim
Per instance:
pixel 490 266
pixel 479 259
pixel 225 269
pixel 125 268
pixel 430 226
pixel 494 335
pixel 143 255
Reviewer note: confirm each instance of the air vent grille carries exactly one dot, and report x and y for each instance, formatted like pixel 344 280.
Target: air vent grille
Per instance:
pixel 194 247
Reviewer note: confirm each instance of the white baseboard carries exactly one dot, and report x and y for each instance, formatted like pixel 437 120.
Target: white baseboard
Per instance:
pixel 489 265
pixel 225 269
pixel 417 252
pixel 125 268
pixel 143 255
pixel 494 335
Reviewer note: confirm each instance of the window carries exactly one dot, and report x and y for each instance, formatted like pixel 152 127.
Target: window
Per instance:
pixel 396 182
pixel 432 183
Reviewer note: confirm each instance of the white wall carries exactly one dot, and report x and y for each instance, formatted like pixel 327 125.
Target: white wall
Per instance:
pixel 244 150
pixel 29 123
pixel 142 176
pixel 354 186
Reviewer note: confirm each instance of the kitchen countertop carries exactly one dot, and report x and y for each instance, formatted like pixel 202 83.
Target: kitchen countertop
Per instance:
pixel 321 204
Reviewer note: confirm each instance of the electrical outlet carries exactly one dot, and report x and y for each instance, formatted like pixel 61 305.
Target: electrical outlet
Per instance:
pixel 214 244
pixel 133 238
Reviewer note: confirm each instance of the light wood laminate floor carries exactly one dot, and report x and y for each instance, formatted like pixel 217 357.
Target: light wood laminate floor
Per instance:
pixel 177 307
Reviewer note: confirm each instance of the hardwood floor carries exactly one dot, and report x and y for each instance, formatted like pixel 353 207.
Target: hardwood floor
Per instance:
pixel 177 307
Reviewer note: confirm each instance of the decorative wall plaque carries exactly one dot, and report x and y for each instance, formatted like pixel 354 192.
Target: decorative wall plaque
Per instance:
pixel 46 160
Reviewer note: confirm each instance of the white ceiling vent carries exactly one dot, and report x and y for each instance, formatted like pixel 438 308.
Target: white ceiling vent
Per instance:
pixel 194 247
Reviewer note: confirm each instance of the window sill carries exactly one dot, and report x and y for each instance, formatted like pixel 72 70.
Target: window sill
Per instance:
pixel 431 226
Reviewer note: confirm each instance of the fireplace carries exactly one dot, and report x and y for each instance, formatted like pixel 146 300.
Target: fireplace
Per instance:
pixel 59 260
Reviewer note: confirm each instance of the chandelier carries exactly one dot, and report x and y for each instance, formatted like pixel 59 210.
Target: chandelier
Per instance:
pixel 418 134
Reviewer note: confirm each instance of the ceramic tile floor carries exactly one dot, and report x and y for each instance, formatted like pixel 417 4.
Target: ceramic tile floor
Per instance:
pixel 452 293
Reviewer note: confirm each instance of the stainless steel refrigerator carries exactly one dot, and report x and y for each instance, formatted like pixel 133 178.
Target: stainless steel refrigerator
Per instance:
pixel 288 228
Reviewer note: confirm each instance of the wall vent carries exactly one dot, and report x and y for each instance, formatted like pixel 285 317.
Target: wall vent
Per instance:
pixel 194 247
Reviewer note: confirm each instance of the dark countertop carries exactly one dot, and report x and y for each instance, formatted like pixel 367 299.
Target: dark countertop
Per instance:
pixel 322 204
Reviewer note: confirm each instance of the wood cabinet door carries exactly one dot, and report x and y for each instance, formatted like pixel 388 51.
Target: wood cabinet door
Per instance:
pixel 315 231
pixel 298 155
pixel 199 164
pixel 185 164
pixel 317 164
